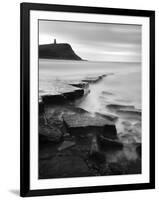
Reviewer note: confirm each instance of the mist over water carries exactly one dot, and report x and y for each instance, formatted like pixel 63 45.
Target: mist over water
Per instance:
pixel 122 87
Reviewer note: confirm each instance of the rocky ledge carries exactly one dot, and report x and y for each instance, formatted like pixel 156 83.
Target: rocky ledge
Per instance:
pixel 71 136
pixel 87 124
pixel 126 111
pixel 57 92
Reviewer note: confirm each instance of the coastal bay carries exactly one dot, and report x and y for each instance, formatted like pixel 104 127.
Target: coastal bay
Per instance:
pixel 89 118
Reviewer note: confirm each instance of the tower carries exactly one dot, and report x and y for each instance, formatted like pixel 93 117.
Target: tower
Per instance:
pixel 54 41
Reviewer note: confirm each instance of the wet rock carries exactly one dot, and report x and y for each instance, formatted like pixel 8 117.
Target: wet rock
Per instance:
pixel 127 111
pixel 65 165
pixel 65 145
pixel 55 120
pixel 94 78
pixel 126 123
pixel 107 93
pixel 78 110
pixel 107 143
pixel 95 153
pixel 66 135
pixel 127 126
pixel 50 134
pixel 73 94
pixel 86 123
pixel 127 138
pixel 53 99
pixel 116 169
pixel 98 157
pixel 119 106
pixel 137 125
pixel 108 116
pixel 79 84
pixel 139 149
pixel 59 92
pixel 64 97
pixel 131 114
pixel 94 146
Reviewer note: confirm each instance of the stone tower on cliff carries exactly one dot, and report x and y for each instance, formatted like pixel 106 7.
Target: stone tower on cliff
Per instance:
pixel 54 41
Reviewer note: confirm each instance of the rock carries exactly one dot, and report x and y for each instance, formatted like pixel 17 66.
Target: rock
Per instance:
pixel 79 84
pixel 62 166
pixel 53 99
pixel 95 153
pixel 131 114
pixel 55 120
pixel 116 169
pixel 60 92
pixel 92 79
pixel 139 149
pixel 127 126
pixel 127 138
pixel 77 93
pixel 126 123
pixel 108 116
pixel 119 106
pixel 106 143
pixel 135 112
pixel 98 157
pixel 86 123
pixel 66 135
pixel 50 134
pixel 62 51
pixel 137 125
pixel 65 145
pixel 107 93
pixel 94 146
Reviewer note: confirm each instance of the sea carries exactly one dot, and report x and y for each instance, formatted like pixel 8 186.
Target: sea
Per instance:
pixel 122 86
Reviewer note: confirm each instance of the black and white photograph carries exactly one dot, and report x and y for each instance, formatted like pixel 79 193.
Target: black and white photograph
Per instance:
pixel 87 99
pixel 90 105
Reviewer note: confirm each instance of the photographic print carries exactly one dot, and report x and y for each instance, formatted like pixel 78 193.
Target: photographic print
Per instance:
pixel 90 105
pixel 87 99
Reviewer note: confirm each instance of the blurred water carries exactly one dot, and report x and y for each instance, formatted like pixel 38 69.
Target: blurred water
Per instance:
pixel 122 87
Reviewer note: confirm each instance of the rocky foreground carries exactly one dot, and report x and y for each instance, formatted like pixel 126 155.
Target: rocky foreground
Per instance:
pixel 74 142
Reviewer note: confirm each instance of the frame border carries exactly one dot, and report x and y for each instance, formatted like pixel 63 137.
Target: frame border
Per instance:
pixel 25 9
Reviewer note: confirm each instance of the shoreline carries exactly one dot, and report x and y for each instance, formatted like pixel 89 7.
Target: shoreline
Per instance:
pixel 67 132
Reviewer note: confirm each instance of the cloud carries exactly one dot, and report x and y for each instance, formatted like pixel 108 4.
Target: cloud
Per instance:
pixel 95 41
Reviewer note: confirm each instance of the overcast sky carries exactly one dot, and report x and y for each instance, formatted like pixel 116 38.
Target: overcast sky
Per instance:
pixel 94 41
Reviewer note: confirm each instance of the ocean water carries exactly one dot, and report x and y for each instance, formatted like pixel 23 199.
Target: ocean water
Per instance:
pixel 123 86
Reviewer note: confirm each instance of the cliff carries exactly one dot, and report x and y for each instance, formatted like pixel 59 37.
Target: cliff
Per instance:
pixel 57 51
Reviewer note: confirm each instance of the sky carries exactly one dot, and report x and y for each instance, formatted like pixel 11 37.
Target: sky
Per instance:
pixel 95 41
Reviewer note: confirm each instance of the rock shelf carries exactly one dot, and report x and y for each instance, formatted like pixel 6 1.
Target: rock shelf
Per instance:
pixel 61 91
pixel 74 142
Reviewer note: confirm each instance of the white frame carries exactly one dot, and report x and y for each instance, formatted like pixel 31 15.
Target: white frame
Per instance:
pixel 36 183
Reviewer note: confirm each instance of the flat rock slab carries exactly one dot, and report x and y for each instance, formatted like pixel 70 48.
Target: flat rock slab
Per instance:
pixel 79 84
pixel 58 91
pixel 92 79
pixel 65 145
pixel 130 111
pixel 119 106
pixel 57 87
pixel 107 93
pixel 108 116
pixel 86 123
